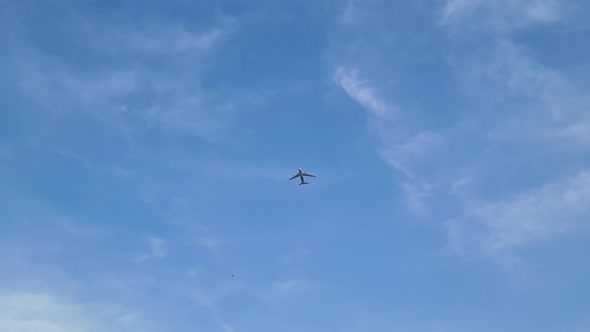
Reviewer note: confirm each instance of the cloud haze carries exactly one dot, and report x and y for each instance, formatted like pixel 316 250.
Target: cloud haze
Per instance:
pixel 146 150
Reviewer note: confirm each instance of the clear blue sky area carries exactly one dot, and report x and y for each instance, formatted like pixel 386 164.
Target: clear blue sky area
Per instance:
pixel 146 147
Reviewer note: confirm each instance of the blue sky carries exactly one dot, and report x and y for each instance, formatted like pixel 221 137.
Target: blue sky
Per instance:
pixel 145 149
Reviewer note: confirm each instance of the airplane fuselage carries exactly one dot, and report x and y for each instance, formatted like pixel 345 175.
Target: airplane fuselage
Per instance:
pixel 300 174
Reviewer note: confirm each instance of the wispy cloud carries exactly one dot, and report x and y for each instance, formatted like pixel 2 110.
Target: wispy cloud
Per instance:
pixel 362 93
pixel 415 195
pixel 289 287
pixel 543 108
pixel 197 234
pixel 173 99
pixel 73 228
pixel 31 312
pixel 559 106
pixel 160 76
pixel 283 290
pixel 577 133
pixel 400 154
pixel 224 325
pixel 157 249
pixel 555 209
pixel 455 8
pixel 157 40
pixel 396 150
pixel 350 13
pixel 294 256
pixel 500 14
pixel 508 69
pixel 209 242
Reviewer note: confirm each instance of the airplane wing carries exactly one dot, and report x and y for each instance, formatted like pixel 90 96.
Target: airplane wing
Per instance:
pixel 294 176
pixel 305 174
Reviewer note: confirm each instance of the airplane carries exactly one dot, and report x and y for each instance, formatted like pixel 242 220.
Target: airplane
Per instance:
pixel 301 174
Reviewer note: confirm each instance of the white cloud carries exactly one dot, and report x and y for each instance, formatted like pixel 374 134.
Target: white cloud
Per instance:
pixel 180 106
pixel 397 152
pixel 294 256
pixel 362 93
pixel 415 195
pixel 35 312
pixel 578 133
pixel 399 155
pixel 508 69
pixel 289 287
pixel 149 37
pixel 209 242
pixel 170 40
pixel 540 102
pixel 547 104
pixel 548 108
pixel 456 8
pixel 500 14
pixel 198 234
pixel 541 105
pixel 224 325
pixel 172 98
pixel 542 11
pixel 282 290
pixel 157 249
pixel 558 208
pixel 350 13
pixel 528 104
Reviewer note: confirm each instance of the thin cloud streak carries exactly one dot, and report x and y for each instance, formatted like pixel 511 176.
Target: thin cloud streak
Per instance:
pixel 500 14
pixel 397 152
pixel 549 110
pixel 359 91
pixel 556 209
pixel 157 249
pixel 177 103
pixel 400 155
pixel 33 312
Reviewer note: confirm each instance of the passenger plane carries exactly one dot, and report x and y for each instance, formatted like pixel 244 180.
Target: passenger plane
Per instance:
pixel 301 174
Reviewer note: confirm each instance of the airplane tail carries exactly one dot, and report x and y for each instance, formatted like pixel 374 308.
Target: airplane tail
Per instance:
pixel 303 183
